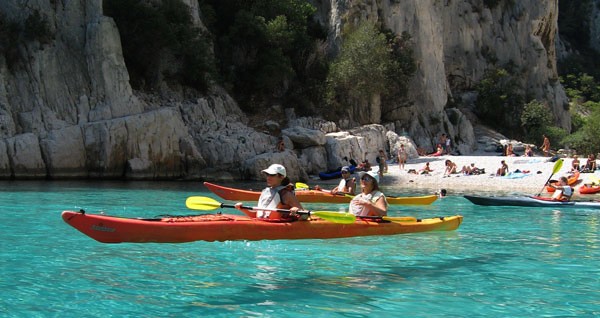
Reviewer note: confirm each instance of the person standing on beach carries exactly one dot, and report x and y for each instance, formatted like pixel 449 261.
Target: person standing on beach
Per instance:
pixel 402 156
pixel 546 146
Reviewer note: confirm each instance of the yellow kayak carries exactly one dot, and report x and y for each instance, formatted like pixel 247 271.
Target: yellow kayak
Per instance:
pixel 312 196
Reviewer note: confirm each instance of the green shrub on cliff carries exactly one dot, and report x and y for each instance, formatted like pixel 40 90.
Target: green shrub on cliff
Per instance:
pixel 370 62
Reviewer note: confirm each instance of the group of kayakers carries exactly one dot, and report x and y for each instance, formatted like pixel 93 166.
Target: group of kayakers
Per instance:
pixel 279 194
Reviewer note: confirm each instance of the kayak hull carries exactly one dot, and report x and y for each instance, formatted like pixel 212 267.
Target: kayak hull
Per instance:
pixel 530 202
pixel 311 196
pixel 223 227
pixel 589 189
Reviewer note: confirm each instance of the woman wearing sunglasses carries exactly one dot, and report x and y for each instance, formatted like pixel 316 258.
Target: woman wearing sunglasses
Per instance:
pixel 371 201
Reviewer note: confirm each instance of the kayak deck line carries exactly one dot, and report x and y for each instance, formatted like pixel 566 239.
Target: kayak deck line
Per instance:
pixel 228 227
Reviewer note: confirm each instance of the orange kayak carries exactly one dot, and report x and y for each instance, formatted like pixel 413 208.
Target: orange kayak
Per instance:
pixel 224 227
pixel 589 189
pixel 570 181
pixel 312 196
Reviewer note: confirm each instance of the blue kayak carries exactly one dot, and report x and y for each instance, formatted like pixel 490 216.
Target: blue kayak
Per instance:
pixel 334 174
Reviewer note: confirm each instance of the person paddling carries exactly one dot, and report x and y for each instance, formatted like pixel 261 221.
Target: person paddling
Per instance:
pixel 347 183
pixel 371 201
pixel 278 194
pixel 563 190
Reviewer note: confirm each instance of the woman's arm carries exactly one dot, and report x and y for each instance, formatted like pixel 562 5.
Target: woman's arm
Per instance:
pixel 292 201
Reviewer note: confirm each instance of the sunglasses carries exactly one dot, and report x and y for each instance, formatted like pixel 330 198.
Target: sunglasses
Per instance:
pixel 345 172
pixel 270 175
pixel 367 179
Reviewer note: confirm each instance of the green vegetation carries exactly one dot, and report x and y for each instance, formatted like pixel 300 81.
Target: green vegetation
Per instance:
pixel 370 62
pixel 500 102
pixel 152 33
pixel 536 120
pixel 267 51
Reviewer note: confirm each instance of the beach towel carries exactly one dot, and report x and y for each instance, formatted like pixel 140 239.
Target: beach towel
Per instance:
pixel 516 175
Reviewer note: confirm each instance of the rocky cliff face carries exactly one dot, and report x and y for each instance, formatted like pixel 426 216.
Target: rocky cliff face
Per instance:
pixel 67 109
pixel 455 43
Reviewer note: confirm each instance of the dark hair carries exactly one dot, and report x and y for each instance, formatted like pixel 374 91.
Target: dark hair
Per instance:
pixel 564 179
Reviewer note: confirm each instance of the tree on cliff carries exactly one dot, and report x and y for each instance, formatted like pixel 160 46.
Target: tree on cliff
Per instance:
pixel 369 66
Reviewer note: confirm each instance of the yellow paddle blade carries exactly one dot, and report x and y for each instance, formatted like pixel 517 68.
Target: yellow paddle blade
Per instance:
pixel 302 186
pixel 557 166
pixel 202 203
pixel 336 217
pixel 400 218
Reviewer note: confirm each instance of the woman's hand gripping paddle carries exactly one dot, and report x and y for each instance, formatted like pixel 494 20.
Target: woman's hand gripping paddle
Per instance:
pixel 206 203
pixel 557 165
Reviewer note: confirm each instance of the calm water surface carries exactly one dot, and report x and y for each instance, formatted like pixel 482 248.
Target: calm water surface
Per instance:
pixel 501 262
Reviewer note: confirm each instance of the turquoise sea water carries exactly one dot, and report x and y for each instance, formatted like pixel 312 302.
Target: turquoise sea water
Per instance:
pixel 501 262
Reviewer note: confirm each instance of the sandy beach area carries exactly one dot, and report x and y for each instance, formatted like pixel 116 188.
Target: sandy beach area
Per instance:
pixel 536 171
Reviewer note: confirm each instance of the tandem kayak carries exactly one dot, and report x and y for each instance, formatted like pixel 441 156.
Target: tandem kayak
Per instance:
pixel 312 196
pixel 532 201
pixel 224 227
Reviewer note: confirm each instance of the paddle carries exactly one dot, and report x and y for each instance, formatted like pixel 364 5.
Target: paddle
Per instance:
pixel 557 165
pixel 206 203
pixel 302 186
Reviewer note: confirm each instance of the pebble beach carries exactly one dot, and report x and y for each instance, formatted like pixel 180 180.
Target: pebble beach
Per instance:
pixel 533 174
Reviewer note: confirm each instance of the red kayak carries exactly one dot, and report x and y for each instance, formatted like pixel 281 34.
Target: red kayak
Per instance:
pixel 570 181
pixel 311 196
pixel 589 189
pixel 224 227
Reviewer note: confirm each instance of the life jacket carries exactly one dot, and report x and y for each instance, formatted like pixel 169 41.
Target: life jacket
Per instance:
pixel 271 198
pixel 359 210
pixel 563 194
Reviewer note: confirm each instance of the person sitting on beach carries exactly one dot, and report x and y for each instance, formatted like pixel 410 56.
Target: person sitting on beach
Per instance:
pixel 590 165
pixel 370 201
pixel 364 166
pixel 509 151
pixel 347 183
pixel 575 166
pixel 426 169
pixel 528 151
pixel 382 162
pixel 470 170
pixel 563 190
pixel 439 151
pixel 450 168
pixel 503 170
pixel 280 144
